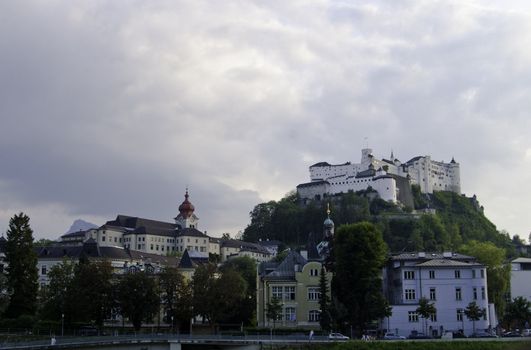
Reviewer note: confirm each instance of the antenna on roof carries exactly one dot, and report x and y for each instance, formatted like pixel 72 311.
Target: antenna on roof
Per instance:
pixel 366 139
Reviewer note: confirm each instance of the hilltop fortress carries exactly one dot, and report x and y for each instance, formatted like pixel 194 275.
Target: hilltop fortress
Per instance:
pixel 391 178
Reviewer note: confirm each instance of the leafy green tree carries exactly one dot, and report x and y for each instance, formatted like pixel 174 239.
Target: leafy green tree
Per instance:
pixel 274 310
pixel 91 295
pixel 216 295
pixel 518 312
pixel 324 302
pixel 176 297
pixel 138 298
pixel 246 310
pixel 21 271
pixel 4 293
pixel 360 253
pixel 61 278
pixel 474 313
pixel 498 271
pixel 425 310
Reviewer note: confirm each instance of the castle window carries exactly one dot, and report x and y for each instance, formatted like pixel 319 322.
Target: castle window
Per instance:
pixel 314 272
pixel 410 294
pixel 409 275
pixel 314 316
pixel 475 293
pixel 432 274
pixel 458 294
pixel 276 292
pixel 412 316
pixel 313 293
pixel 457 274
pixel 289 314
pixel 43 270
pixel 289 293
pixel 433 295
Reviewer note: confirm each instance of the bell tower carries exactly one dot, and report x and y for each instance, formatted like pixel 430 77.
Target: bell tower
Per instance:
pixel 186 217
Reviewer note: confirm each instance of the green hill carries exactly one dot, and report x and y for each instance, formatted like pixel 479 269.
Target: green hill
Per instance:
pixel 439 221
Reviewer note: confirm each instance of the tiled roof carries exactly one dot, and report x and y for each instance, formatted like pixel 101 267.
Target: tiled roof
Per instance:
pixel 430 256
pixel 189 231
pixel 447 263
pixel 286 269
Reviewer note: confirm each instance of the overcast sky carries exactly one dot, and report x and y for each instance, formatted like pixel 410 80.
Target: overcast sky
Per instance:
pixel 114 107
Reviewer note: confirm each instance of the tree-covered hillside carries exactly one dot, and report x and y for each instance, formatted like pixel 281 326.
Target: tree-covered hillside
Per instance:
pixel 457 220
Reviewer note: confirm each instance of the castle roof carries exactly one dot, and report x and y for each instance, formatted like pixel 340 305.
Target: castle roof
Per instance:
pixel 313 183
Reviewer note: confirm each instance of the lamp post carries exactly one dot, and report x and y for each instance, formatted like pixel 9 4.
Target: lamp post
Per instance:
pixel 172 324
pixel 62 325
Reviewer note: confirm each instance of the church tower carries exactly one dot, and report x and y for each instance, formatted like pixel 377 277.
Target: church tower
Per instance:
pixel 328 225
pixel 186 217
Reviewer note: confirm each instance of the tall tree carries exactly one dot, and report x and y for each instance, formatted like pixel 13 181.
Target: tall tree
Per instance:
pixel 176 297
pixel 21 271
pixel 425 310
pixel 61 278
pixel 217 294
pixel 498 271
pixel 474 313
pixel 246 310
pixel 324 302
pixel 91 295
pixel 138 298
pixel 360 253
pixel 518 312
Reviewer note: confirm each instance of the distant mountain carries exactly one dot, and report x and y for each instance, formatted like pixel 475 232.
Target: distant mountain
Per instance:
pixel 80 225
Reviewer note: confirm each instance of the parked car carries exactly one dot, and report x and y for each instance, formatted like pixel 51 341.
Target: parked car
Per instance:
pixel 337 336
pixel 482 335
pixel 526 332
pixel 512 334
pixel 418 335
pixel 458 334
pixel 393 336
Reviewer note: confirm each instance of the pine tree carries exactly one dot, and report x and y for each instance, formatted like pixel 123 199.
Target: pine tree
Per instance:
pixel 21 271
pixel 324 302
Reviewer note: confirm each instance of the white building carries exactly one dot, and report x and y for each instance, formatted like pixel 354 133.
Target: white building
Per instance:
pixel 521 278
pixel 450 281
pixel 384 176
pixel 163 238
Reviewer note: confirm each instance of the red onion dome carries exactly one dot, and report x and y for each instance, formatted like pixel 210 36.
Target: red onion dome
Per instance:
pixel 186 208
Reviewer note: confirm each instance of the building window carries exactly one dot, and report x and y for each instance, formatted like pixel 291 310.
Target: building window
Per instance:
pixel 276 292
pixel 412 316
pixel 138 246
pixel 152 246
pixel 409 275
pixel 314 272
pixel 475 293
pixel 459 314
pixel 433 294
pixel 313 293
pixel 43 270
pixel 485 314
pixel 289 293
pixel 482 273
pixel 289 314
pixel 457 273
pixel 103 238
pixel 432 274
pixel 458 295
pixel 314 316
pixel 433 317
pixel 483 292
pixel 410 294
pixel 473 273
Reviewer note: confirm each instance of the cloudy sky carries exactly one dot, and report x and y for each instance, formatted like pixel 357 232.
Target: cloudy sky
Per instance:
pixel 114 107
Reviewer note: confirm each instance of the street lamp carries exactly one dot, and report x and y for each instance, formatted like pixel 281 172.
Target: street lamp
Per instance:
pixel 172 324
pixel 62 325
